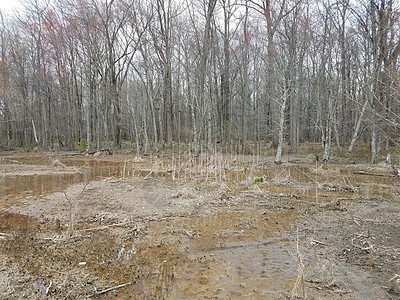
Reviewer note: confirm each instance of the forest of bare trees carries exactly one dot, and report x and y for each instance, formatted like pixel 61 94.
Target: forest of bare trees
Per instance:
pixel 212 74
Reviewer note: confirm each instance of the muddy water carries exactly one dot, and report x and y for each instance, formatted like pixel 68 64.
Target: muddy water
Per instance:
pixel 36 185
pixel 237 254
pixel 41 178
pixel 27 188
pixel 247 254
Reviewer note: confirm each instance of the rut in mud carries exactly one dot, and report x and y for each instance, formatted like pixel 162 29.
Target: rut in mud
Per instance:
pixel 155 228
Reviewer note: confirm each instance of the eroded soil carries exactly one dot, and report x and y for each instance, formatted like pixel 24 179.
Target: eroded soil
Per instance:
pixel 186 228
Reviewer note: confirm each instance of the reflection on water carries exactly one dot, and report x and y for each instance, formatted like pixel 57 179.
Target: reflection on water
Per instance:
pixel 237 254
pixel 33 187
pixel 39 182
pixel 285 180
pixel 248 254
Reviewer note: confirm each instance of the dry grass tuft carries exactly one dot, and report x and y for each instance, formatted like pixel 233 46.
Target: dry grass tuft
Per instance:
pixel 394 283
pixel 300 275
pixel 57 163
pixel 185 193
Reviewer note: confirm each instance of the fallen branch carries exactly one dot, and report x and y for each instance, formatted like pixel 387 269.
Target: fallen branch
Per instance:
pixel 106 226
pixel 345 199
pixel 369 247
pixel 115 288
pixel 48 288
pixel 148 175
pixel 355 221
pixel 314 242
pixel 68 154
pixel 4 235
pixel 372 174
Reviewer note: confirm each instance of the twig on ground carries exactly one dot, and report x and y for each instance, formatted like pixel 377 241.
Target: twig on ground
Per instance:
pixel 48 288
pixel 148 175
pixel 372 174
pixel 314 242
pixel 2 234
pixel 369 247
pixel 107 226
pixel 115 288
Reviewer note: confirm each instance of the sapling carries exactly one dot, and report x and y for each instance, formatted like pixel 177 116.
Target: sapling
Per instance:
pixel 71 202
pixel 258 179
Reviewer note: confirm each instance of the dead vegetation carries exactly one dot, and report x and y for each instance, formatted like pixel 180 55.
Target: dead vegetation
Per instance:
pixel 343 230
pixel 72 201
pixel 394 283
pixel 57 163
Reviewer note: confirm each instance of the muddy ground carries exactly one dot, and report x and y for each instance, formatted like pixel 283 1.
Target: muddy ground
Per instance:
pixel 218 227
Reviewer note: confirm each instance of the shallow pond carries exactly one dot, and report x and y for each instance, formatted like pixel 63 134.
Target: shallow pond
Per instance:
pixel 248 254
pixel 233 254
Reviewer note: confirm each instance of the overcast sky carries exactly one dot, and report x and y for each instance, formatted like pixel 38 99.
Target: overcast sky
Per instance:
pixel 8 5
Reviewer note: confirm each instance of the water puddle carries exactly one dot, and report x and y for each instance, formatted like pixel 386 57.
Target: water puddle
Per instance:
pixel 34 178
pixel 28 188
pixel 231 254
pixel 27 180
pixel 237 254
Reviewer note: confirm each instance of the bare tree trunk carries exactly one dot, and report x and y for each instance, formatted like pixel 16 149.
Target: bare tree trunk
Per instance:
pixel 336 130
pixel 209 128
pixel 278 156
pixel 154 122
pixel 165 52
pixel 374 143
pixel 202 75
pixel 136 130
pixel 160 126
pixel 150 92
pixel 225 73
pixel 246 95
pixel 357 127
pixel 146 137
pixel 197 129
pixel 327 139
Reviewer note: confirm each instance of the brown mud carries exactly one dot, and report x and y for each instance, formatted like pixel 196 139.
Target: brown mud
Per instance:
pixel 220 227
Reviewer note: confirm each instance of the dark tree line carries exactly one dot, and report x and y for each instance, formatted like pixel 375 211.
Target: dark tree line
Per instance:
pixel 209 73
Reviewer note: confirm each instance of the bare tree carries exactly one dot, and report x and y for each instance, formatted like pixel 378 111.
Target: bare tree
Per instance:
pixel 92 73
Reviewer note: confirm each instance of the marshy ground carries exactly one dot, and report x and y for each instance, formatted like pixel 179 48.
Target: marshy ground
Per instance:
pixel 179 227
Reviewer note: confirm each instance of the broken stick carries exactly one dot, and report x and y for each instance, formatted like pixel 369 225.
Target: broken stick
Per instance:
pixel 115 287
